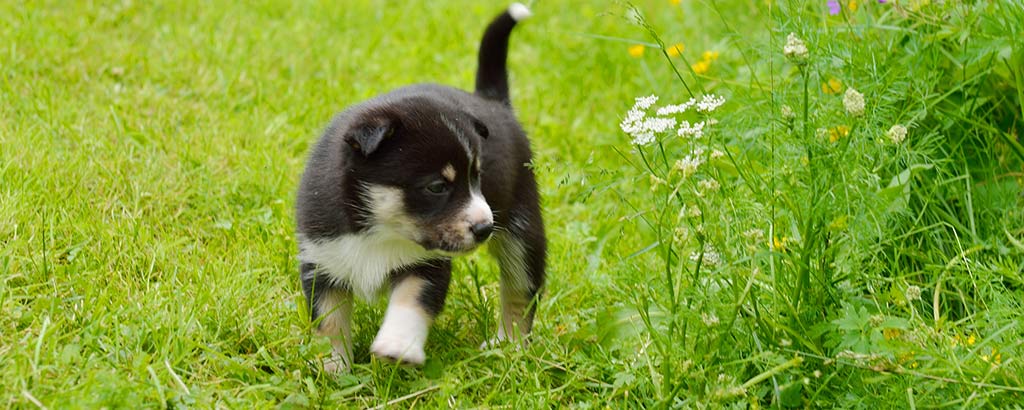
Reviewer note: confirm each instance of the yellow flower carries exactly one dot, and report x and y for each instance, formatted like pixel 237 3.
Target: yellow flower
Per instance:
pixel 709 56
pixel 832 86
pixel 891 333
pixel 701 67
pixel 852 5
pixel 675 2
pixel 676 49
pixel 970 340
pixel 838 132
pixel 636 50
pixel 994 357
pixel 779 244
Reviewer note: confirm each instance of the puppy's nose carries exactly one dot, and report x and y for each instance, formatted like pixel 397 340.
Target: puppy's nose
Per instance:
pixel 482 231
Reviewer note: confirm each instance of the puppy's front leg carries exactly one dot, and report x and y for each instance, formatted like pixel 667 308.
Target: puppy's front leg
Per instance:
pixel 417 296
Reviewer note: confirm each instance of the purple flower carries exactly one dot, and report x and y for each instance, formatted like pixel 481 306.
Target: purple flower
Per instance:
pixel 834 7
pixel 881 1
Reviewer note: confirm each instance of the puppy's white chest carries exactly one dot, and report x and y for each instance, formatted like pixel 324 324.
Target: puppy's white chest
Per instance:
pixel 361 261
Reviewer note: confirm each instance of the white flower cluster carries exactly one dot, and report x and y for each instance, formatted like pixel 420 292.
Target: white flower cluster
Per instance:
pixel 709 185
pixel 644 129
pixel 913 293
pixel 689 164
pixel 678 108
pixel 711 257
pixel 635 123
pixel 897 134
pixel 795 48
pixel 853 101
pixel 787 113
pixel 691 131
pixel 710 103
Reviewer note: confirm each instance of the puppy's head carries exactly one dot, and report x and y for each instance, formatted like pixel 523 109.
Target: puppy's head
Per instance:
pixel 415 166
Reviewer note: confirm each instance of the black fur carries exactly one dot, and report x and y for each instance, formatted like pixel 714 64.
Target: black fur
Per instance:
pixel 437 274
pixel 491 74
pixel 400 140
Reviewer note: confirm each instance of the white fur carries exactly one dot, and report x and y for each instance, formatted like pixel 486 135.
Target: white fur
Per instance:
pixel 363 261
pixel 519 12
pixel 478 212
pixel 387 208
pixel 404 331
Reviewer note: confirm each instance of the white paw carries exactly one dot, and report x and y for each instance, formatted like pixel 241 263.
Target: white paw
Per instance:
pixel 398 349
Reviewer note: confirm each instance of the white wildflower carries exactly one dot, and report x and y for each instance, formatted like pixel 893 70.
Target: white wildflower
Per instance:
pixel 709 319
pixel 755 234
pixel 795 49
pixel 897 134
pixel 689 164
pixel 677 109
pixel 643 138
pixel 634 122
pixel 787 113
pixel 682 234
pixel 691 131
pixel 708 185
pixel 643 103
pixel 711 257
pixel 694 212
pixel 853 101
pixel 913 293
pixel 659 125
pixel 644 129
pixel 709 103
pixel 716 154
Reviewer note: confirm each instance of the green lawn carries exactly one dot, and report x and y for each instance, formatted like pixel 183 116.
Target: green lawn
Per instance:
pixel 149 155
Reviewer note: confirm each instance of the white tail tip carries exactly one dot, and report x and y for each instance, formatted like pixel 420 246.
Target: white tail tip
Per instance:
pixel 519 12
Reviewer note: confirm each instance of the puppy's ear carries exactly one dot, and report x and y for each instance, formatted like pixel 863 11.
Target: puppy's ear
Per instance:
pixel 480 128
pixel 365 136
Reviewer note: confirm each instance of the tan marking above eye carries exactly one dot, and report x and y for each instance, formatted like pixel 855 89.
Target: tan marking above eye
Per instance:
pixel 448 173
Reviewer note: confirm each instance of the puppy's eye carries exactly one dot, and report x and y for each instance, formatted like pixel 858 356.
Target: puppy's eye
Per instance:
pixel 437 188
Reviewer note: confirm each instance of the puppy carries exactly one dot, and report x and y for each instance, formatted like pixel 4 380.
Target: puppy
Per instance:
pixel 400 184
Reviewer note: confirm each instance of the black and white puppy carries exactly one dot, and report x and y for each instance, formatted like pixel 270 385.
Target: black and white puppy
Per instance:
pixel 400 184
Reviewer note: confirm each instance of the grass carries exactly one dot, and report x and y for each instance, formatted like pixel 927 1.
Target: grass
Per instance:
pixel 149 155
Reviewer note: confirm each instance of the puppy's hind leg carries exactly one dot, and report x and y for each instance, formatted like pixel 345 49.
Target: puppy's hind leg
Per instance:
pixel 521 251
pixel 331 310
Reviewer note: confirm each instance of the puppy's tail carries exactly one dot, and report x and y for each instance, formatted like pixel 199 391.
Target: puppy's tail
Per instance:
pixel 491 75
